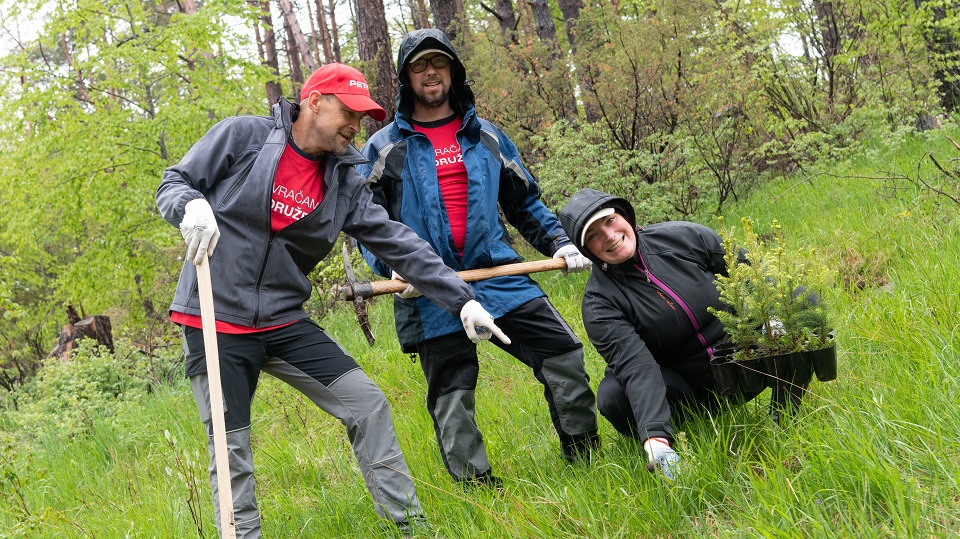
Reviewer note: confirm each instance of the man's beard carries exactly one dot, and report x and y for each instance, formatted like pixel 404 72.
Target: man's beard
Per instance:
pixel 433 102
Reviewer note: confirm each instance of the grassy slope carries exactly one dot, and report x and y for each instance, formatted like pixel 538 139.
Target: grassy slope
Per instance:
pixel 874 453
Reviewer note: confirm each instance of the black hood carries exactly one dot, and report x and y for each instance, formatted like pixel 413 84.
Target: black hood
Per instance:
pixel 461 96
pixel 585 203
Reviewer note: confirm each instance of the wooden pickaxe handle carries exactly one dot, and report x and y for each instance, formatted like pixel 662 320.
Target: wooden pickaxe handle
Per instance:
pixel 392 286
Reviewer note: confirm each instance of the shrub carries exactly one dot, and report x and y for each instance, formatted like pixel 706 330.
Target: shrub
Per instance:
pixel 578 158
pixel 66 396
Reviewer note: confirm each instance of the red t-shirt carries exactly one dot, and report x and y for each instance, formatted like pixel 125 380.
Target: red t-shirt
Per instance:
pixel 451 172
pixel 297 190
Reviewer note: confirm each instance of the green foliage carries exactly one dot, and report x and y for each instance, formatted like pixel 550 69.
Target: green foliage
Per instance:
pixel 862 67
pixel 579 157
pixel 655 79
pixel 682 107
pixel 634 74
pixel 938 21
pixel 14 481
pixel 67 396
pixel 107 96
pixel 508 86
pixel 797 86
pixel 189 467
pixel 651 105
pixel 769 311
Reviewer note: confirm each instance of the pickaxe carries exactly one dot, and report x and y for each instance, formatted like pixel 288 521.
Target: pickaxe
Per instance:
pixel 360 291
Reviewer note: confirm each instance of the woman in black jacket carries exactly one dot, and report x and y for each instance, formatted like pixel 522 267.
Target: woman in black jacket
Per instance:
pixel 645 309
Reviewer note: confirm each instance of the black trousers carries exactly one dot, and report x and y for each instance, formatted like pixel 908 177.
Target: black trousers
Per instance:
pixel 543 341
pixel 683 398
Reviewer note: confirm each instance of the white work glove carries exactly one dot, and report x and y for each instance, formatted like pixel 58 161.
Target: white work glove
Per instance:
pixel 662 457
pixel 199 229
pixel 478 323
pixel 575 259
pixel 407 293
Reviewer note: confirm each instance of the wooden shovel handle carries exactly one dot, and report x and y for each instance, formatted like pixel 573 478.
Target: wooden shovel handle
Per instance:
pixel 212 353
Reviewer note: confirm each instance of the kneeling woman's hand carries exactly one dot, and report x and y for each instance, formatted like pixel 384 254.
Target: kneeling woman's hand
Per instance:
pixel 662 457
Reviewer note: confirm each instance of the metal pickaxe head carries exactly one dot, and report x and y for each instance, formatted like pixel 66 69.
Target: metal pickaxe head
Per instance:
pixel 359 292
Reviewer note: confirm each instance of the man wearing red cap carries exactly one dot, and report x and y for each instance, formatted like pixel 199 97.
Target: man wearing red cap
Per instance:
pixel 271 195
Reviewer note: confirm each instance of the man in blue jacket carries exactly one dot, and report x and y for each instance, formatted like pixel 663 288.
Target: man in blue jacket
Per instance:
pixel 266 198
pixel 441 170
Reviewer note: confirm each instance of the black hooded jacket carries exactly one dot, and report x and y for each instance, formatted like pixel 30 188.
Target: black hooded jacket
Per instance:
pixel 651 311
pixel 461 96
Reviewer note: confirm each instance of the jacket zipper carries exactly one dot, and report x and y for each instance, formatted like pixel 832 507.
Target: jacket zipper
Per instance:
pixel 693 319
pixel 263 267
pixel 263 264
pixel 266 252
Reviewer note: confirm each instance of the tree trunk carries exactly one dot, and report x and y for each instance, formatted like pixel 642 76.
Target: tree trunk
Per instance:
pixel 314 36
pixel 830 42
pixel 419 16
pixel 77 75
pixel 445 16
pixel 188 7
pixel 324 33
pixel 375 50
pixel 571 12
pixel 333 28
pixel 463 20
pixel 268 55
pixel 293 60
pixel 294 31
pixel 546 31
pixel 507 18
pixel 422 16
pixel 943 46
pixel 526 18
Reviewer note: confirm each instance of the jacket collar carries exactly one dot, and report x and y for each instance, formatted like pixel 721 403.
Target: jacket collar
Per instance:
pixel 350 157
pixel 406 129
pixel 283 112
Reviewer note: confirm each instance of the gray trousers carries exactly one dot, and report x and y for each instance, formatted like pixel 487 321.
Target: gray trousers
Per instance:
pixel 308 360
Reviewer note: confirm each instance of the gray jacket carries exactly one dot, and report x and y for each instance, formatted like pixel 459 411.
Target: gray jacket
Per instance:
pixel 260 278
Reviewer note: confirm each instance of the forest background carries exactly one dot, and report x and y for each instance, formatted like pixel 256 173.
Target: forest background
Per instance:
pixel 684 107
pixel 680 106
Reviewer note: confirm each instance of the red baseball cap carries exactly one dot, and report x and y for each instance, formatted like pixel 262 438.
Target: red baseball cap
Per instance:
pixel 347 84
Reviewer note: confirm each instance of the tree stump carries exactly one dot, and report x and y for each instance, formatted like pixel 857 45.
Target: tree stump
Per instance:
pixel 93 327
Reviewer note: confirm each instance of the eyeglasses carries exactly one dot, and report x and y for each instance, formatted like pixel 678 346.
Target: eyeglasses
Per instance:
pixel 438 62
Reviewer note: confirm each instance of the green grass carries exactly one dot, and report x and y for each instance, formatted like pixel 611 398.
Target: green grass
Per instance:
pixel 875 453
